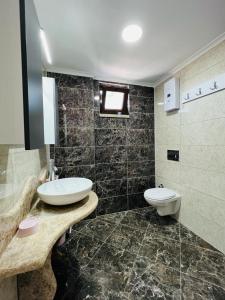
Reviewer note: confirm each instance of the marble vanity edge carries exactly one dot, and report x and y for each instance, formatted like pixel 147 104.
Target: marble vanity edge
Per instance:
pixel 9 222
pixel 14 260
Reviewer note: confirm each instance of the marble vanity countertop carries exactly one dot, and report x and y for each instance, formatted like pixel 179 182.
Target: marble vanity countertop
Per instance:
pixel 30 253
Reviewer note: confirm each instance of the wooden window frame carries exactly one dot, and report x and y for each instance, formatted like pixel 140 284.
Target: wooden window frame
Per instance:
pixel 124 112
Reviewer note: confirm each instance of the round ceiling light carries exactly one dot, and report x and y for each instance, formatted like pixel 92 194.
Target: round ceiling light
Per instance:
pixel 132 33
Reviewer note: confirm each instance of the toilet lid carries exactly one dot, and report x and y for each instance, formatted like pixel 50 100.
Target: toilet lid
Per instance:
pixel 159 194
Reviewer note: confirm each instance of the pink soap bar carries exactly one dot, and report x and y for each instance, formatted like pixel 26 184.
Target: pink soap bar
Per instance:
pixel 28 226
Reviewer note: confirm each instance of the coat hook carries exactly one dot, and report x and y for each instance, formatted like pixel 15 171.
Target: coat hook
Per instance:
pixel 187 97
pixel 214 86
pixel 199 92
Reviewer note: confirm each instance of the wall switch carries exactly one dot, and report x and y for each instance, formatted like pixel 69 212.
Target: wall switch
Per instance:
pixel 173 155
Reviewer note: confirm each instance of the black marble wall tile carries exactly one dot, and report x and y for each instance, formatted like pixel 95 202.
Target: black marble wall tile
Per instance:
pixel 136 201
pixel 110 154
pixel 111 171
pixel 143 168
pixel 75 97
pixel 141 121
pixel 142 104
pixel 64 80
pixel 73 156
pixel 116 153
pixel 140 137
pixel 107 123
pixel 79 171
pixel 74 117
pixel 141 91
pixel 107 137
pixel 111 188
pixel 141 153
pixel 140 184
pixel 111 205
pixel 96 86
pixel 78 137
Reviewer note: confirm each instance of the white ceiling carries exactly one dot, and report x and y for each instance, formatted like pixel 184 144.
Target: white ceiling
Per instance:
pixel 85 35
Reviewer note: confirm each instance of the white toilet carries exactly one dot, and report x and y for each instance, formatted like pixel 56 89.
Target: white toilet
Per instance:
pixel 166 201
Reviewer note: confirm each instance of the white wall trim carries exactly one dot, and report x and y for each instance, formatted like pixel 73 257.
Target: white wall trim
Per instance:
pixel 97 77
pixel 190 59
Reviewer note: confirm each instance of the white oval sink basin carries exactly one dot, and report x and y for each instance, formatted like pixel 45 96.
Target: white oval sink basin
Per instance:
pixel 65 191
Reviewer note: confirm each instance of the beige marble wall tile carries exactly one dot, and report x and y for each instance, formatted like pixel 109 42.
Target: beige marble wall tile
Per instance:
pixel 198 132
pixel 204 109
pixel 159 93
pixel 167 135
pixel 205 62
pixel 166 119
pixel 211 208
pixel 215 70
pixel 188 210
pixel 209 132
pixel 168 182
pixel 168 169
pixel 209 158
pixel 203 225
pixel 202 204
pixel 209 182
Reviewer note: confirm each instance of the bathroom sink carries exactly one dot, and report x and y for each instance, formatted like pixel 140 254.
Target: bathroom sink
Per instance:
pixel 65 191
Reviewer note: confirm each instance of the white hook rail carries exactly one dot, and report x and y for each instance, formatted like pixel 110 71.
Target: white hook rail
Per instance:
pixel 212 86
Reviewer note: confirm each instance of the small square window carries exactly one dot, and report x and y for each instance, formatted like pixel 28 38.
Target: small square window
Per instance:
pixel 114 100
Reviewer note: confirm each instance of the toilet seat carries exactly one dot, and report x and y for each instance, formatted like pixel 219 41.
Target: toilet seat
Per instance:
pixel 160 195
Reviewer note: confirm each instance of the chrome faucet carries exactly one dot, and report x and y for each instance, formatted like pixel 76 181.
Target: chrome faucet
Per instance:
pixel 52 170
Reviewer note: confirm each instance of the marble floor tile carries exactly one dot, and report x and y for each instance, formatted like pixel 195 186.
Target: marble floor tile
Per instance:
pixel 125 238
pixel 150 214
pixel 80 226
pixel 137 255
pixel 144 210
pixel 155 281
pixel 203 264
pixel 163 251
pixel 82 247
pixel 106 276
pixel 193 289
pixel 163 232
pixel 98 228
pixel 114 218
pixel 98 285
pixel 136 220
pixel 112 259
